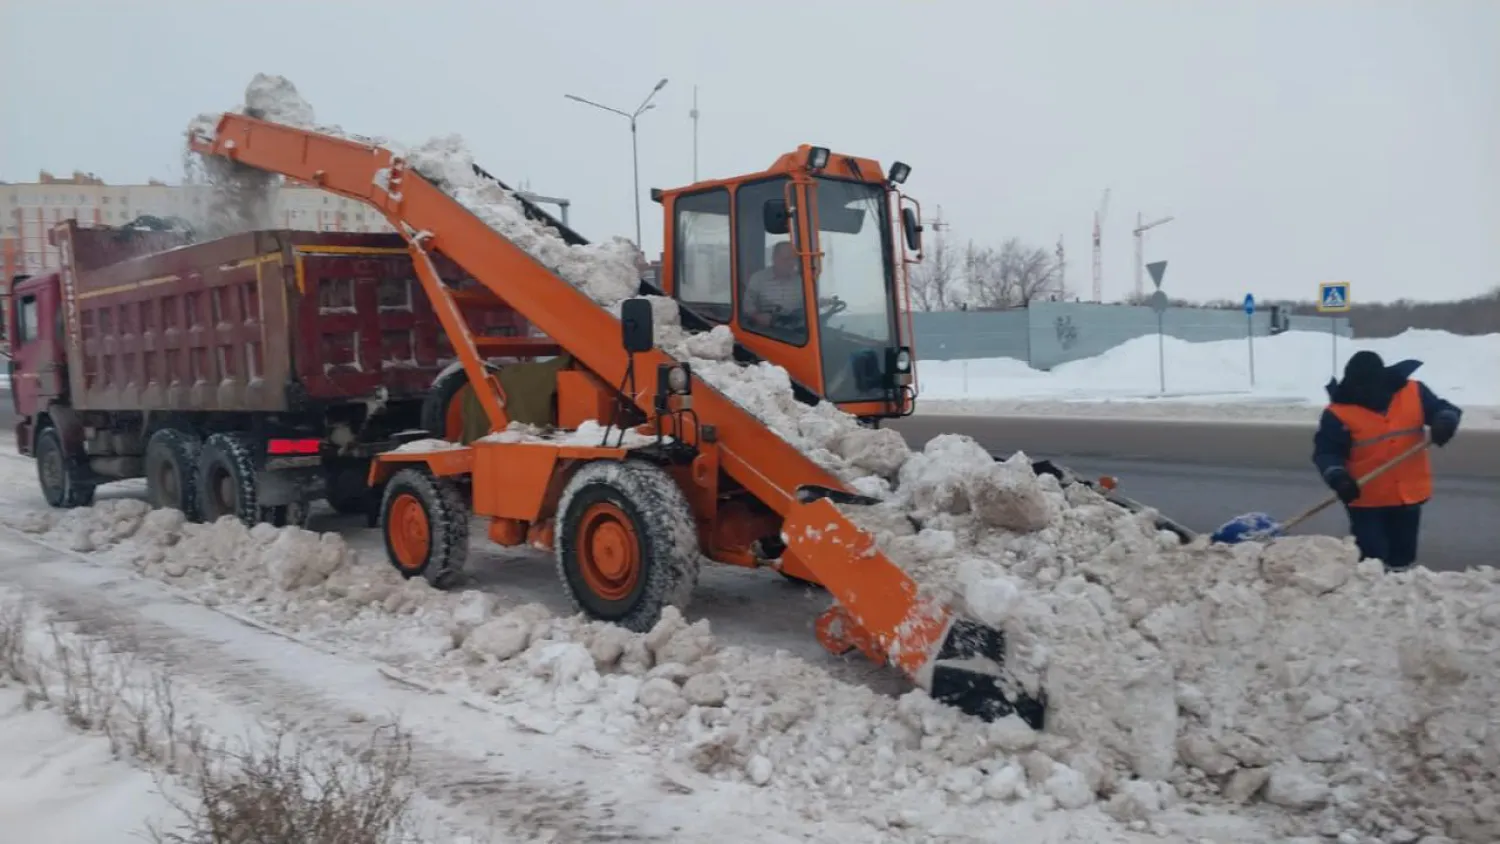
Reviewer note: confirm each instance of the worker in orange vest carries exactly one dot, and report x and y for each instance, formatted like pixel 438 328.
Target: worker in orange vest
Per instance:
pixel 1375 413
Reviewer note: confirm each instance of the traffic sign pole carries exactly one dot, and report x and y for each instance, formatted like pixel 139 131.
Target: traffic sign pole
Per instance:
pixel 1334 298
pixel 1250 333
pixel 1159 303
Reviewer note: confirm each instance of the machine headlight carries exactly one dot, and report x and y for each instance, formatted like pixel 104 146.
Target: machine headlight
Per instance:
pixel 899 172
pixel 817 158
pixel 679 380
pixel 903 360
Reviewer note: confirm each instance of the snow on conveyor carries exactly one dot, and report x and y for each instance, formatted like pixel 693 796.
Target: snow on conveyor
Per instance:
pixel 1334 699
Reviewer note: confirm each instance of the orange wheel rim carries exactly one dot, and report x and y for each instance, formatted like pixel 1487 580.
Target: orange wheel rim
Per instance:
pixel 453 421
pixel 609 555
pixel 410 534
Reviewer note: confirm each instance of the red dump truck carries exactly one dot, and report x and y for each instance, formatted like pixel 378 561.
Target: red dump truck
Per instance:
pixel 247 376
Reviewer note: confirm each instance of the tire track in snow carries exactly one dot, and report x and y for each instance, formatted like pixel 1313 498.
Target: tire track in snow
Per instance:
pixel 232 668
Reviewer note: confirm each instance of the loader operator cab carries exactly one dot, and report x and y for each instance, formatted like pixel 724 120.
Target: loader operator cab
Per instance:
pixel 804 263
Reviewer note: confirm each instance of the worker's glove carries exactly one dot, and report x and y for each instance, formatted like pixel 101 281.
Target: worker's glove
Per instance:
pixel 1444 426
pixel 1343 484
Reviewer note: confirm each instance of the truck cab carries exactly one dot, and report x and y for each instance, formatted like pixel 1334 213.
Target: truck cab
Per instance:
pixel 804 263
pixel 38 362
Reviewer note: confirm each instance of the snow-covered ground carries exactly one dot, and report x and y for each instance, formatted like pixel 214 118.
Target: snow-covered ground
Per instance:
pixel 1211 380
pixel 737 726
pixel 63 786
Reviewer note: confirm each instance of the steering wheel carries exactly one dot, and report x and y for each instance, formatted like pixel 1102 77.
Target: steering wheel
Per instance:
pixel 830 306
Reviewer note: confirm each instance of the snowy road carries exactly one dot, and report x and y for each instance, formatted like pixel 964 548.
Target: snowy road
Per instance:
pixel 1204 473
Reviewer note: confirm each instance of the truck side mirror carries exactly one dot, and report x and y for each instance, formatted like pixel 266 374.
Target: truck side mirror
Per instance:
pixel 912 229
pixel 636 330
pixel 775 216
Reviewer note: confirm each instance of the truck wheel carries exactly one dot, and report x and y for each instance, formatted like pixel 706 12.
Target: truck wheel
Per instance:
pixel 172 471
pixel 426 527
pixel 60 485
pixel 225 480
pixel 627 545
pixel 442 408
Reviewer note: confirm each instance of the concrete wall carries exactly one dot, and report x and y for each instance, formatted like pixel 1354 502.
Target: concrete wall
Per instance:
pixel 968 335
pixel 1050 333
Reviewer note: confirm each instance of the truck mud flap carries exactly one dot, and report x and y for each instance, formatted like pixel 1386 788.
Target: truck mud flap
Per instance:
pixel 1068 477
pixel 279 487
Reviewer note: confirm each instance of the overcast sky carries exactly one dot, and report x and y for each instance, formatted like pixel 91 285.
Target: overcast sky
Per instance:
pixel 1294 142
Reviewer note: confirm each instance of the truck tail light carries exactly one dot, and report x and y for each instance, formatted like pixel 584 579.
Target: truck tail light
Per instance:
pixel 282 448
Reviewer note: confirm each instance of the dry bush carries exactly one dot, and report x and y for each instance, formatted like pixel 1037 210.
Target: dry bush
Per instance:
pixel 13 641
pixel 279 791
pixel 276 791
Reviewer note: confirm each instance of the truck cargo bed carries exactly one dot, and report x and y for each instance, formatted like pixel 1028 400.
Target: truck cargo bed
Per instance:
pixel 266 321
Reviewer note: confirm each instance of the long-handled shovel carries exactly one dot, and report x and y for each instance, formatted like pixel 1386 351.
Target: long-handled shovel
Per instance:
pixel 1259 527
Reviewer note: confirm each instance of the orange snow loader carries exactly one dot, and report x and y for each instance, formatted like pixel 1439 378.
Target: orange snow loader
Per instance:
pixel 680 472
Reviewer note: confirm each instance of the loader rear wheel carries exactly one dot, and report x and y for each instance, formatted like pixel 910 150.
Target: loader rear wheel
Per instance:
pixel 443 407
pixel 627 545
pixel 172 472
pixel 426 526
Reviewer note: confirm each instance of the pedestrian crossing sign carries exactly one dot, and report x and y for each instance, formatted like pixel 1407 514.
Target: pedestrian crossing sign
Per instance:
pixel 1333 297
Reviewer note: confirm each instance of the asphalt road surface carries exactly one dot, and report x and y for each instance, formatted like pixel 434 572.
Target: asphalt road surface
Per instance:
pixel 1204 473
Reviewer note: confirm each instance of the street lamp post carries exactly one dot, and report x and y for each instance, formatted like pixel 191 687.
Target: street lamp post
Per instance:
pixel 635 155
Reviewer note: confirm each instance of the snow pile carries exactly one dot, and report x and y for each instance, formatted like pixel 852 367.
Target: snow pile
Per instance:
pixel 1336 699
pixel 1290 368
pixel 1288 671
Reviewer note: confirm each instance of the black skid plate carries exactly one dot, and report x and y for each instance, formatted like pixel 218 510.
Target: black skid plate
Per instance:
pixel 977 692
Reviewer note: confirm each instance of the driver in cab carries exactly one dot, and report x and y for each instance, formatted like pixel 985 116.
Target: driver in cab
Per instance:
pixel 775 289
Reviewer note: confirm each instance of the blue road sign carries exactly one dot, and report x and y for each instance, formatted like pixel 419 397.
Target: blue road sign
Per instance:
pixel 1333 297
pixel 1249 305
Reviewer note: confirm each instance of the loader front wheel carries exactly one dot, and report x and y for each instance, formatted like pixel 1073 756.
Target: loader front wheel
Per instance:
pixel 426 527
pixel 627 546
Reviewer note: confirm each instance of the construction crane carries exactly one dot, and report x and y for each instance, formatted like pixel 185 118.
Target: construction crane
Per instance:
pixel 1141 227
pixel 1098 246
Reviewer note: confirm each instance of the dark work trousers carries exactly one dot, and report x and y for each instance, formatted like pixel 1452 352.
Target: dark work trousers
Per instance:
pixel 1388 534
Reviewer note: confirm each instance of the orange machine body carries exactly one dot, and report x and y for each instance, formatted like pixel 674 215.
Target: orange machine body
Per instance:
pixel 743 484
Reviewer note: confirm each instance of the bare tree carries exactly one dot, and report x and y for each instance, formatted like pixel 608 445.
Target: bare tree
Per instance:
pixel 1035 270
pixel 1013 277
pixel 935 283
pixel 985 280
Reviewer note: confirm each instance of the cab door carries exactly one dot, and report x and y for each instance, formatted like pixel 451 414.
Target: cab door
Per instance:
pixel 37 370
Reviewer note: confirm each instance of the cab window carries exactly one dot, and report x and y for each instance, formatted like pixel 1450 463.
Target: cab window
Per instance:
pixel 26 320
pixel 704 283
pixel 771 287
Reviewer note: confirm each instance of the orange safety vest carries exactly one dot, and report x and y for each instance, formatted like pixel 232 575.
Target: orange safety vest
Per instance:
pixel 1379 437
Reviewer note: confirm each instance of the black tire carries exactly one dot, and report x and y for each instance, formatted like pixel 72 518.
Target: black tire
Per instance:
pixel 435 403
pixel 666 555
pixel 58 477
pixel 349 505
pixel 225 480
pixel 441 506
pixel 172 471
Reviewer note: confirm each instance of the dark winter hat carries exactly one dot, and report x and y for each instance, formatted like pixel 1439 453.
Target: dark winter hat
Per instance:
pixel 1364 368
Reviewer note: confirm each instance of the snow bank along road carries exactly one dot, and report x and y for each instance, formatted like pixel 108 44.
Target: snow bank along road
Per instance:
pixel 1204 473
